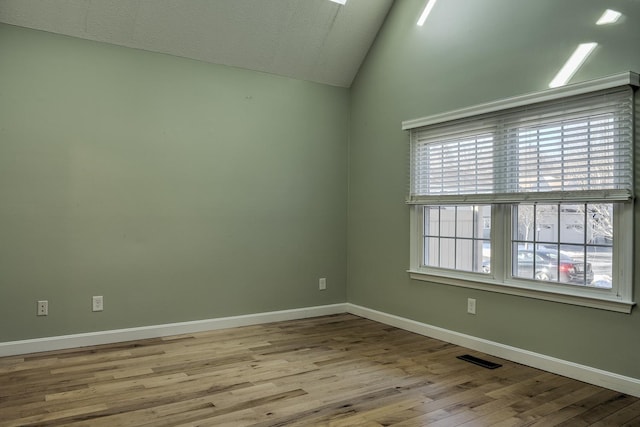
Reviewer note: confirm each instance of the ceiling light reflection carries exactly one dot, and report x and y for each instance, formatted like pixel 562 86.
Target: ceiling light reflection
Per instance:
pixel 578 57
pixel 609 17
pixel 426 12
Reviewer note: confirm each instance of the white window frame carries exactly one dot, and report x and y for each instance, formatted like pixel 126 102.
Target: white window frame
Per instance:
pixel 619 298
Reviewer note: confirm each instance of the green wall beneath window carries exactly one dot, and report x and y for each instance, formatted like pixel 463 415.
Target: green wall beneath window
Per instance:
pixel 178 190
pixel 470 52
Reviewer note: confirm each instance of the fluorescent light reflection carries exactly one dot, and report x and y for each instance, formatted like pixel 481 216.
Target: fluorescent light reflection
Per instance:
pixel 609 17
pixel 339 1
pixel 573 63
pixel 426 12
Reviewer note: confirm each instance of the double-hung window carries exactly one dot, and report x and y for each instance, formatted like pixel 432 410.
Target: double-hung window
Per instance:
pixel 531 196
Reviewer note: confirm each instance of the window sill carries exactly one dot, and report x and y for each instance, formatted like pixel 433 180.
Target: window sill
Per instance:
pixel 490 285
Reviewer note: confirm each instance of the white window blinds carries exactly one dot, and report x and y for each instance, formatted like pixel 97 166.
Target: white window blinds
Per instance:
pixel 577 148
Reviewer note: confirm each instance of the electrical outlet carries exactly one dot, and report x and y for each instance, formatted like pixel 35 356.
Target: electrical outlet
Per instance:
pixel 43 308
pixel 98 303
pixel 471 305
pixel 322 284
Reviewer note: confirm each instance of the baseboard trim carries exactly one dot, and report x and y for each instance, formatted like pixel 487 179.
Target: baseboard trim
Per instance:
pixel 13 348
pixel 576 371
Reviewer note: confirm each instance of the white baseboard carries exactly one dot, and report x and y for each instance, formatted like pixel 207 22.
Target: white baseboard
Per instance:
pixel 583 373
pixel 13 348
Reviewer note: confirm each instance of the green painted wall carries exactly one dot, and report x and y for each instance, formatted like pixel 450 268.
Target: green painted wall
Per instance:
pixel 471 52
pixel 178 190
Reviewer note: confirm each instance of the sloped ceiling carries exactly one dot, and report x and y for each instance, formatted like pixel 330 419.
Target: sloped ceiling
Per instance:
pixel 315 40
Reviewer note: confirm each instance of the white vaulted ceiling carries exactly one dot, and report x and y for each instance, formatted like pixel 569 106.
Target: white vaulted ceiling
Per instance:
pixel 315 40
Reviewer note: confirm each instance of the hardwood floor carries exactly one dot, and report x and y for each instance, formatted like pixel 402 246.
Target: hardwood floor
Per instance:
pixel 338 370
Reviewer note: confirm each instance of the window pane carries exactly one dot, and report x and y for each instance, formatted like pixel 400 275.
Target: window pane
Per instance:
pixel 466 221
pixel 600 260
pixel 465 255
pixel 469 256
pixel 486 256
pixel 525 227
pixel 600 223
pixel 546 223
pixel 431 220
pixel 431 251
pixel 572 223
pixel 523 261
pixel 483 230
pixel 448 253
pixel 573 269
pixel 546 265
pixel 448 221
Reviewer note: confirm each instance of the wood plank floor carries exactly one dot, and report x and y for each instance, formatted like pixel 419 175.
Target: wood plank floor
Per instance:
pixel 337 370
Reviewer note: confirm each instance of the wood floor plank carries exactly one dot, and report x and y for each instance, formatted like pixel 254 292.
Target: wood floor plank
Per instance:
pixel 623 416
pixel 338 370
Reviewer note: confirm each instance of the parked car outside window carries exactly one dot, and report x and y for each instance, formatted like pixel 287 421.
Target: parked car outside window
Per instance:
pixel 551 265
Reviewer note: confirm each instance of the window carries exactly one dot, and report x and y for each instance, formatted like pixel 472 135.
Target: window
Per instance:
pixel 572 243
pixel 453 237
pixel 531 196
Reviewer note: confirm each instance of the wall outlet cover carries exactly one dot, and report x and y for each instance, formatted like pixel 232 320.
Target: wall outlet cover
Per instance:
pixel 97 303
pixel 43 308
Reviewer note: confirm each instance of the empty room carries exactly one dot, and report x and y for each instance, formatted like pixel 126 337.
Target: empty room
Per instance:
pixel 319 212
